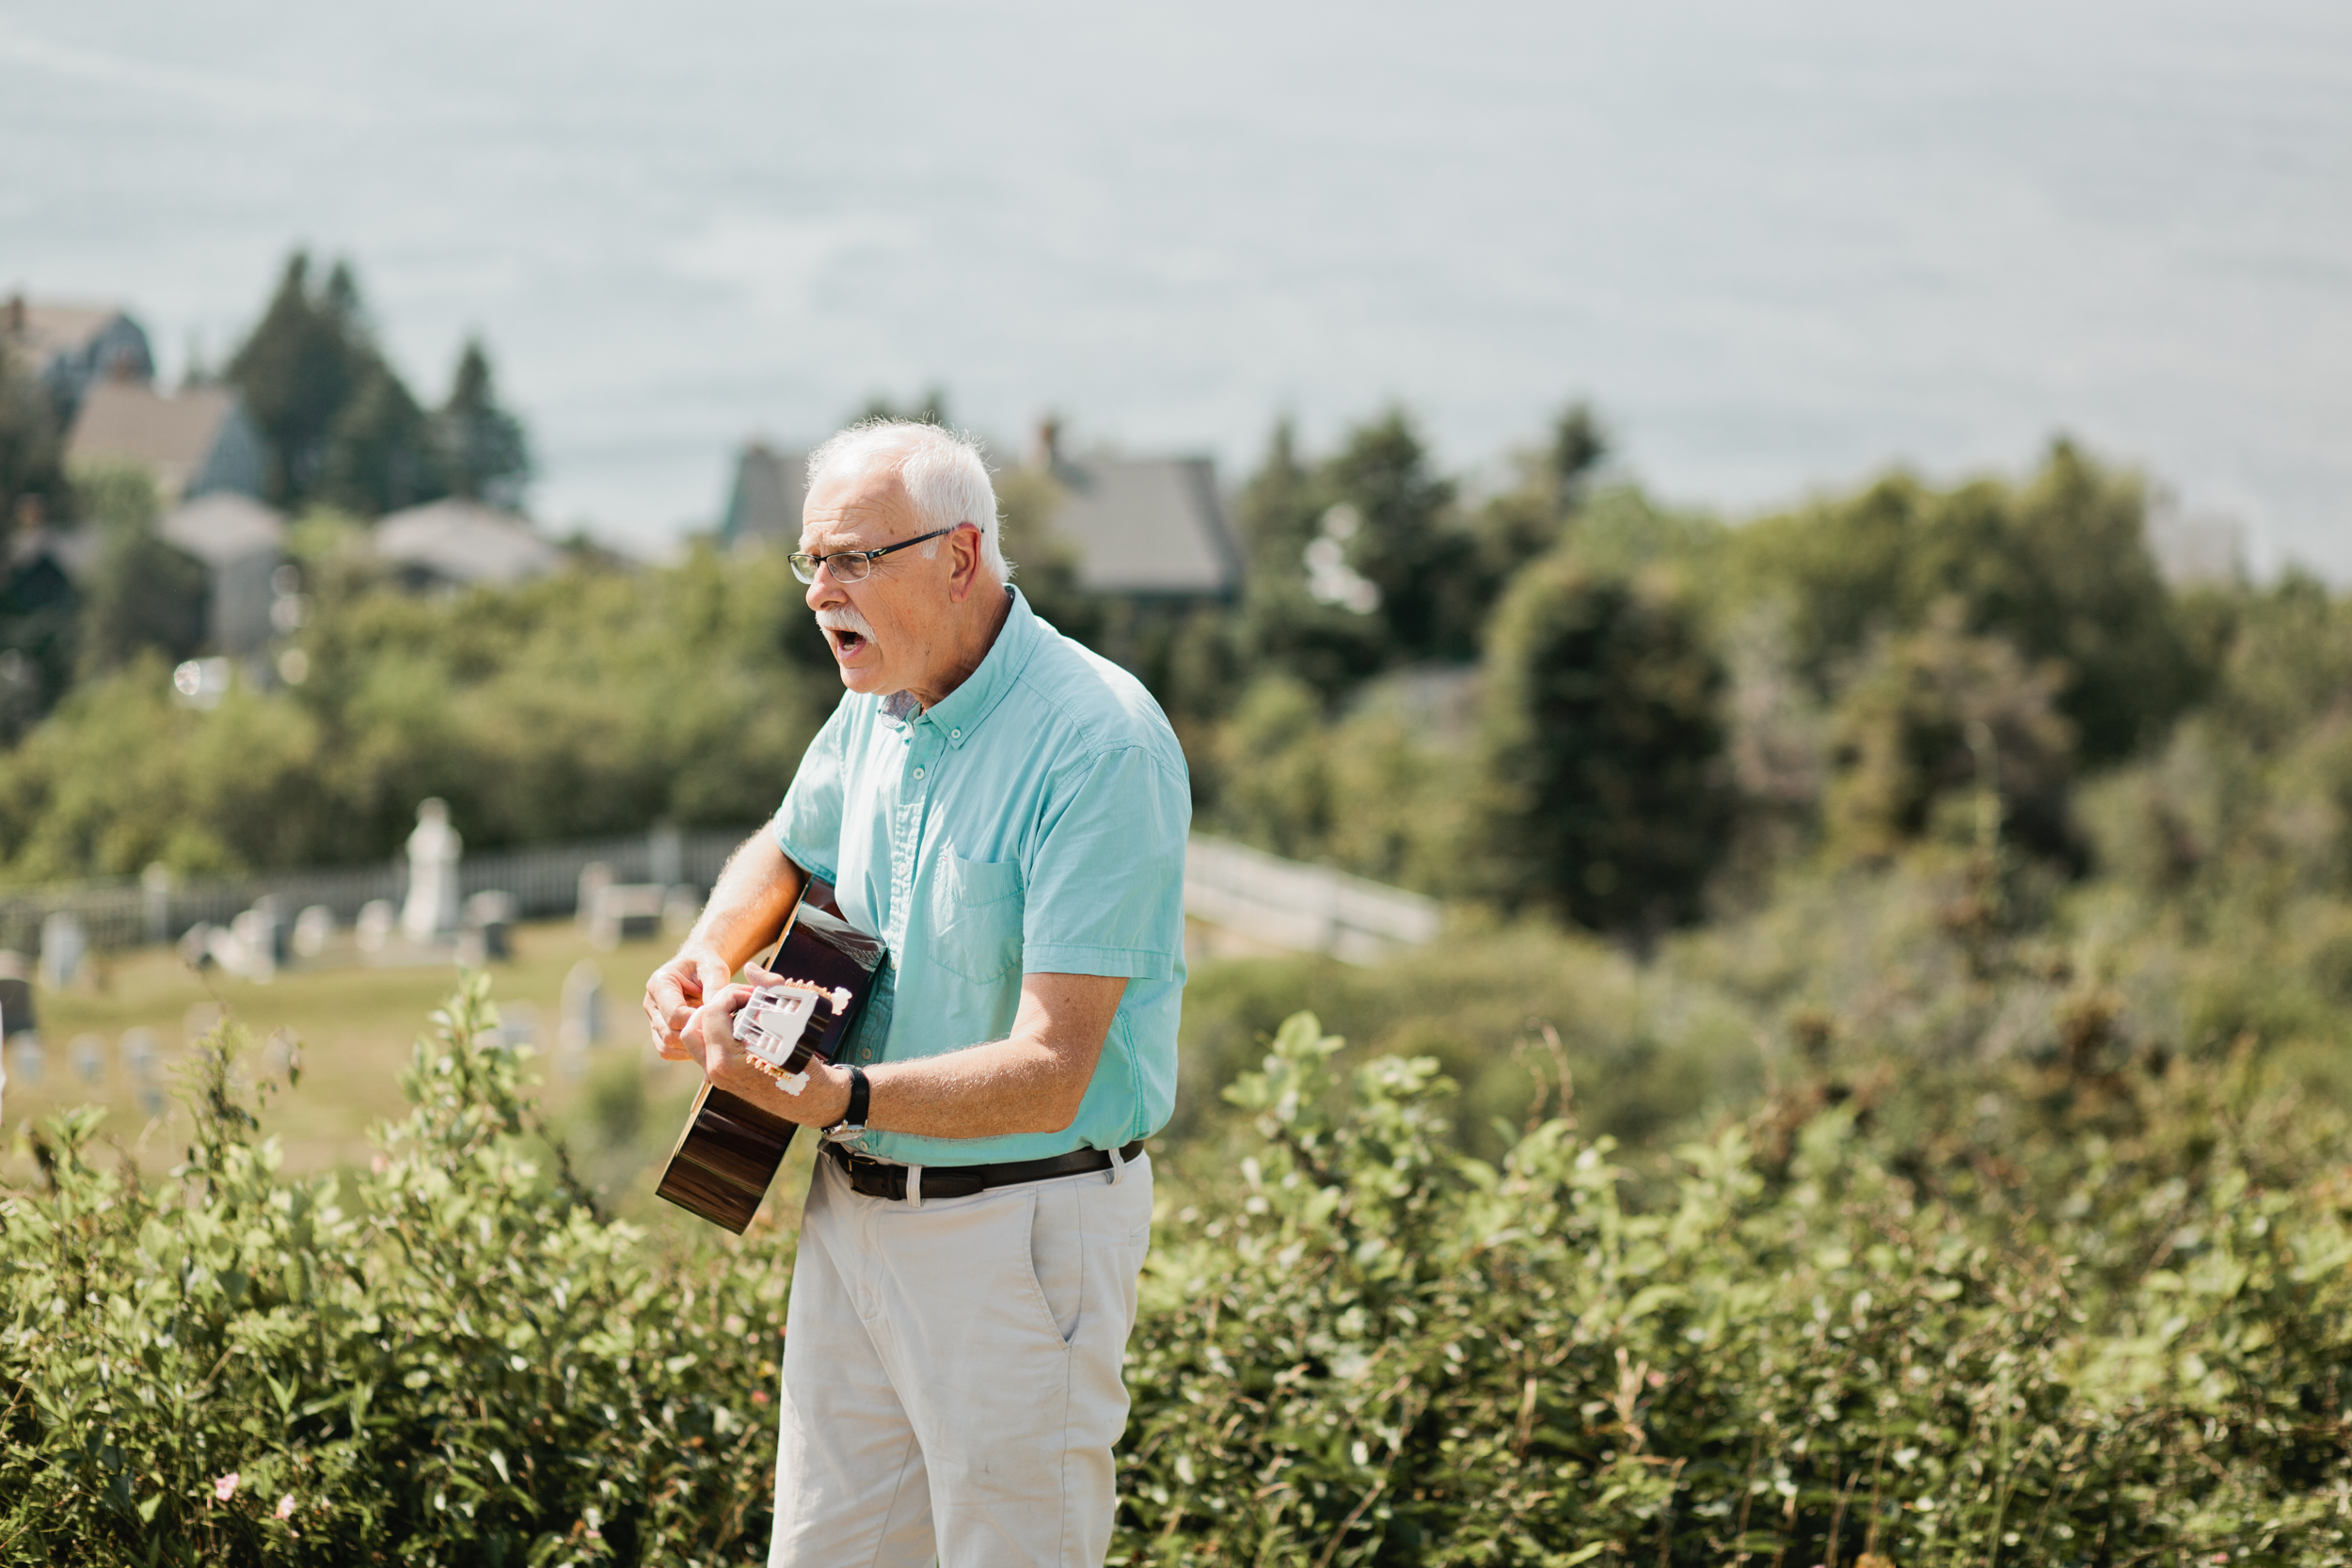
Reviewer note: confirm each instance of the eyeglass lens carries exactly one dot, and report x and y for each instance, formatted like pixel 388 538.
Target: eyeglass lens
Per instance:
pixel 848 566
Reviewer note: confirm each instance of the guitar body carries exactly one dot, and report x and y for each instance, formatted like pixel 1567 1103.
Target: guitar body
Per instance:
pixel 731 1147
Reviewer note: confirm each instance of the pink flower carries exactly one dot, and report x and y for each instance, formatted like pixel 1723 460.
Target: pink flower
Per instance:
pixel 285 1506
pixel 760 1396
pixel 226 1487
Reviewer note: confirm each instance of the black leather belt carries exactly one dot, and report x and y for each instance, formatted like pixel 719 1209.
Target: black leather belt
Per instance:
pixel 881 1179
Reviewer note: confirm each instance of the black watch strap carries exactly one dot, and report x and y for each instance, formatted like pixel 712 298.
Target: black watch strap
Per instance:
pixel 855 1117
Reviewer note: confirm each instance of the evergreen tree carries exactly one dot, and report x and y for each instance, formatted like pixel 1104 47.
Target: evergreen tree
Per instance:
pixel 1403 541
pixel 1527 522
pixel 143 594
pixel 1292 622
pixel 1603 748
pixel 31 446
pixel 296 372
pixel 381 454
pixel 932 409
pixel 484 451
pixel 337 421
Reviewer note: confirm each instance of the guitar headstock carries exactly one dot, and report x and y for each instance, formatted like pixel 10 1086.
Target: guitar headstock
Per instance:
pixel 776 1024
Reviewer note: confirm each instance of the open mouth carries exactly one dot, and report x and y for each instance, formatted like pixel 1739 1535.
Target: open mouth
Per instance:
pixel 845 643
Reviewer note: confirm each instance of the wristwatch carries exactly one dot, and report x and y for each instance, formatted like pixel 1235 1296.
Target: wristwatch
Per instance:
pixel 853 1120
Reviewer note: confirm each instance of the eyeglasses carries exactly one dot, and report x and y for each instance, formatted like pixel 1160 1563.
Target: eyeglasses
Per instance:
pixel 853 565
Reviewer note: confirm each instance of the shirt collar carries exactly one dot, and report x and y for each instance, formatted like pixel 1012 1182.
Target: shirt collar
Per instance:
pixel 959 714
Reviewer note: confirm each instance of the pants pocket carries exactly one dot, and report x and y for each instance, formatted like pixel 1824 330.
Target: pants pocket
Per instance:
pixel 1056 1258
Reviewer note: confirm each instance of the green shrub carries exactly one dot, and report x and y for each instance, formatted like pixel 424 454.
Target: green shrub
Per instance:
pixel 2077 1312
pixel 1365 1347
pixel 448 1358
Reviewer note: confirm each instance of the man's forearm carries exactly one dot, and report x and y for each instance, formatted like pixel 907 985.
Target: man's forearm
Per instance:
pixel 756 891
pixel 1033 1081
pixel 1004 1086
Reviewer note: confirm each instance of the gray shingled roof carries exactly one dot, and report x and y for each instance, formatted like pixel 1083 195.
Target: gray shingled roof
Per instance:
pixel 49 330
pixel 172 435
pixel 765 503
pixel 465 542
pixel 1146 525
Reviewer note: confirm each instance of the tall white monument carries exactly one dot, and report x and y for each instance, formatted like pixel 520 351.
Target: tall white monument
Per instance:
pixel 434 850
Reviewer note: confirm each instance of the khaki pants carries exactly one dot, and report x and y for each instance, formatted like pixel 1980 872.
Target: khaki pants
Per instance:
pixel 951 1373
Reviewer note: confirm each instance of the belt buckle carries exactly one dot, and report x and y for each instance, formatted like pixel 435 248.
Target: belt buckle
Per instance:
pixel 866 1175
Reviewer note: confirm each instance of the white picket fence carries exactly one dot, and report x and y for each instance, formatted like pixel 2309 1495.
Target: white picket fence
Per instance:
pixel 1304 908
pixel 1278 903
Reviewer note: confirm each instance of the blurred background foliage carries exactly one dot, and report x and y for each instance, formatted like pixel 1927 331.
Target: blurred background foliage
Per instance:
pixel 1931 923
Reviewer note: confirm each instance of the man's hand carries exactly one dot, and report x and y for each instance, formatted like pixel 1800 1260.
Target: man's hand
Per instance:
pixel 676 989
pixel 710 1036
pixel 755 891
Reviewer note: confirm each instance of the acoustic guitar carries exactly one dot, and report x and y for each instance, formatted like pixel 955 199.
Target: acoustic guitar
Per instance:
pixel 731 1147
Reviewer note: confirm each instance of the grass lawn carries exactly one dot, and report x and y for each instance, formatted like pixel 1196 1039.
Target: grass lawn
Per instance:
pixel 617 1107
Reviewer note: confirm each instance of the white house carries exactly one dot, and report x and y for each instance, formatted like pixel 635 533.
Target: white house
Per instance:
pixel 241 543
pixel 459 543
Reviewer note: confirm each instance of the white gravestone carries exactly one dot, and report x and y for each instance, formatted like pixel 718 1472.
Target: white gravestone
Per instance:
pixel 582 1023
pixel 313 931
pixel 434 850
pixel 374 928
pixel 63 945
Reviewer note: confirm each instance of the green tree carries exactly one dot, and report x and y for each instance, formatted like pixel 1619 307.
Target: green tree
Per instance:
pixel 143 594
pixel 1527 521
pixel 381 453
pixel 484 450
pixel 32 478
pixel 1403 540
pixel 1603 749
pixel 297 370
pixel 1286 624
pixel 339 424
pixel 930 409
pixel 1931 718
pixel 2059 565
pixel 38 604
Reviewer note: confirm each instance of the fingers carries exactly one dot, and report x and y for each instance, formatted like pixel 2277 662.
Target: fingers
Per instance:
pixel 671 997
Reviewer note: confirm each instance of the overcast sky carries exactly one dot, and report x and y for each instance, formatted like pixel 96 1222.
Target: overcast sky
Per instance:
pixel 1780 247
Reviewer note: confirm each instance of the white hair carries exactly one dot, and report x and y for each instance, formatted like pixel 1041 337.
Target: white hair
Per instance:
pixel 946 476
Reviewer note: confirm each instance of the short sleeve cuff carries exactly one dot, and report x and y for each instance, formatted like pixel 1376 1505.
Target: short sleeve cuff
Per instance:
pixel 1119 964
pixel 801 854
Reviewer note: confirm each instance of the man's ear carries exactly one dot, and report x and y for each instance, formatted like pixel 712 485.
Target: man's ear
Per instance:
pixel 963 554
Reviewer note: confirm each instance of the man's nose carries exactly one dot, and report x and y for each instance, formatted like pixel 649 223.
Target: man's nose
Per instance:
pixel 823 592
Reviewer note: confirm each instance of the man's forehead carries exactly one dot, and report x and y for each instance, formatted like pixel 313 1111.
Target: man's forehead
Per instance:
pixel 873 503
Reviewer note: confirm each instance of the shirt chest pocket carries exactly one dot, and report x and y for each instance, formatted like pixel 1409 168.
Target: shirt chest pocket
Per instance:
pixel 976 918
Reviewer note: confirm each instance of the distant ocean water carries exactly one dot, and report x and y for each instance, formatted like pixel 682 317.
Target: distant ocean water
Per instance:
pixel 1781 246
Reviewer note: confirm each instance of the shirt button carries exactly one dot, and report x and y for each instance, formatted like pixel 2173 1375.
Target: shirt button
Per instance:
pixel 955 734
pixel 918 772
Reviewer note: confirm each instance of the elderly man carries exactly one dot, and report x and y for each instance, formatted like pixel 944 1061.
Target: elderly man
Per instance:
pixel 1008 811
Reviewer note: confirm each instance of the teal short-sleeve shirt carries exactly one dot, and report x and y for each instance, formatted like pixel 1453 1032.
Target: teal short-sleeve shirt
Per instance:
pixel 1032 822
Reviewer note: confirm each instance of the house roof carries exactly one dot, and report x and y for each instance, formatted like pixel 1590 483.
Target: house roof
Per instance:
pixel 1146 525
pixel 224 526
pixel 770 486
pixel 129 421
pixel 49 330
pixel 465 542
